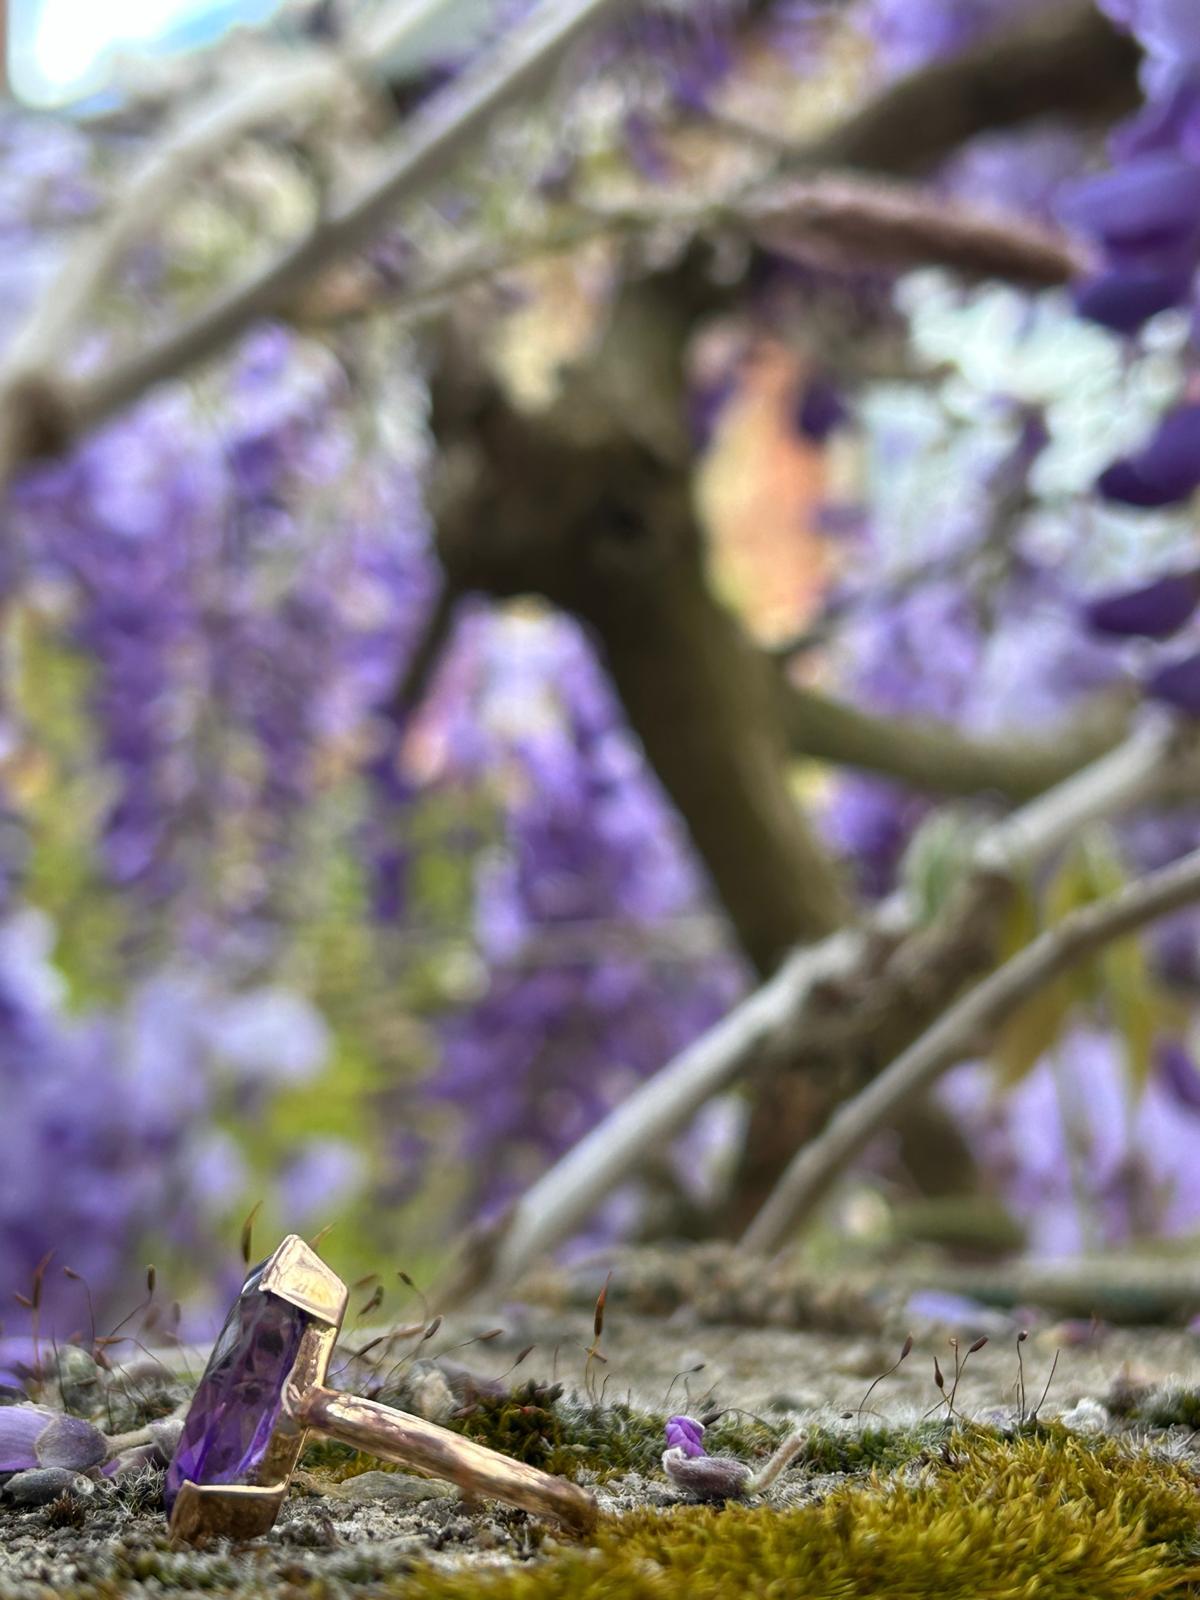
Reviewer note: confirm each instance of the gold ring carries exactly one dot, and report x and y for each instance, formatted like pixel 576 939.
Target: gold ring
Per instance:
pixel 264 1390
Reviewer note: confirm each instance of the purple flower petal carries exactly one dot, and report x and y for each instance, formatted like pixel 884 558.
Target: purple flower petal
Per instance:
pixel 1123 298
pixel 686 1434
pixel 1178 1071
pixel 71 1442
pixel 1168 121
pixel 20 1428
pixel 1149 205
pixel 1167 468
pixel 1153 610
pixel 1178 684
pixel 820 409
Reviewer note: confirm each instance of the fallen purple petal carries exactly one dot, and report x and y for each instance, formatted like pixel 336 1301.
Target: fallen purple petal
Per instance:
pixel 20 1428
pixel 71 1442
pixel 686 1434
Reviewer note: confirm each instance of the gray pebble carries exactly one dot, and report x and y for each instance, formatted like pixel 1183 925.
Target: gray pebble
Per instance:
pixel 165 1432
pixel 78 1377
pixel 40 1485
pixel 394 1486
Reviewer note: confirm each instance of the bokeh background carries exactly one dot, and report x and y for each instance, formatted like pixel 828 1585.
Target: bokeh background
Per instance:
pixel 282 926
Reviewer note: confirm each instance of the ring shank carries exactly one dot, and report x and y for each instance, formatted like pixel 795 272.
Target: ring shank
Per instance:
pixel 397 1436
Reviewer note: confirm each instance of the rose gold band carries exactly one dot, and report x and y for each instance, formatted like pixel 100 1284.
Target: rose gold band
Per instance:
pixel 395 1435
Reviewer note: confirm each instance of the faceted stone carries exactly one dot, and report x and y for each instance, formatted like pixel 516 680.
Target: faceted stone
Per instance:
pixel 233 1414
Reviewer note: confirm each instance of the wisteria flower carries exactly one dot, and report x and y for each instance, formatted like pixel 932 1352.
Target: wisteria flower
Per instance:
pixel 1152 610
pixel 1165 471
pixel 1177 684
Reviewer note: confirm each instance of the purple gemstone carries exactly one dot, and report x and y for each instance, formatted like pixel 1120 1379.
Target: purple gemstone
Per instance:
pixel 235 1408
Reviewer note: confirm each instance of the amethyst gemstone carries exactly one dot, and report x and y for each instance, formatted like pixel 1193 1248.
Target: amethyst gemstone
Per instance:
pixel 236 1406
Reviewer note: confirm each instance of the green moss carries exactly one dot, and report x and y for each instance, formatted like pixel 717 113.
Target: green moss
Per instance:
pixel 1168 1407
pixel 1051 1515
pixel 870 1449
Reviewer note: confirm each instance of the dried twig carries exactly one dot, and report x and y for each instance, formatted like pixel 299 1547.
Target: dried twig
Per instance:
pixel 423 151
pixel 787 1007
pixel 1063 61
pixel 961 1030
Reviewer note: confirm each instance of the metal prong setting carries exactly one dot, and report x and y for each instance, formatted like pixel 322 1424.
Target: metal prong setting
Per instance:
pixel 297 1274
pixel 246 1511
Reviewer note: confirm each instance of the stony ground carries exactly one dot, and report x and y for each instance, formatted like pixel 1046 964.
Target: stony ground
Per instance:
pixel 350 1529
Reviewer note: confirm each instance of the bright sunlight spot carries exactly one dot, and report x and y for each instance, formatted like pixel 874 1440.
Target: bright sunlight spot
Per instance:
pixel 63 51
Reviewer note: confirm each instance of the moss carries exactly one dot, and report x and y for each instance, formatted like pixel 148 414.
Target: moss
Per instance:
pixel 602 1443
pixel 870 1449
pixel 536 1425
pixel 1169 1407
pixel 1062 1517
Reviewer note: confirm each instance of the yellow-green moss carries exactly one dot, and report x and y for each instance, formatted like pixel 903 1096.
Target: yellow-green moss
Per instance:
pixel 1048 1515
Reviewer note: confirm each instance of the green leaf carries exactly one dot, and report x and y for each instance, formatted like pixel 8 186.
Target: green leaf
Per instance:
pixel 1036 1028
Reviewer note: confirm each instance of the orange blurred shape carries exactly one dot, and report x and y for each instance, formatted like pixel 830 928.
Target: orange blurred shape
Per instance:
pixel 759 491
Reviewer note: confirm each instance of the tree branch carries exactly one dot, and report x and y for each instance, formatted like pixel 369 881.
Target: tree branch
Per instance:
pixel 606 530
pixel 839 221
pixel 809 992
pixel 300 84
pixel 423 152
pixel 937 758
pixel 1066 62
pixel 961 1031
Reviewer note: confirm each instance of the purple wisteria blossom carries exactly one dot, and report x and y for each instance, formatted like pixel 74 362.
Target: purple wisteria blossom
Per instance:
pixel 1082 1161
pixel 583 915
pixel 908 33
pixel 1153 610
pixel 820 409
pixel 1165 471
pixel 1176 683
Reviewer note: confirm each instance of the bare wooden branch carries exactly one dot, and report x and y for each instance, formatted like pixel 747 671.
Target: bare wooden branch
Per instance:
pixel 938 758
pixel 1067 62
pixel 841 222
pixel 425 150
pixel 960 1032
pixel 788 1005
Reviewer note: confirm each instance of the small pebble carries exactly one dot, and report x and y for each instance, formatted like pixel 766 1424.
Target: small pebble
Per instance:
pixel 41 1485
pixel 394 1486
pixel 165 1433
pixel 78 1377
